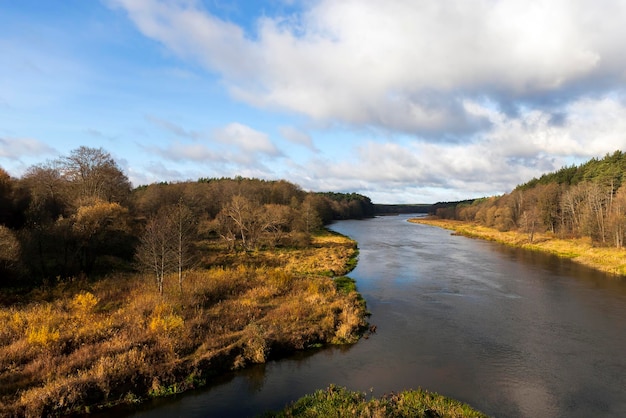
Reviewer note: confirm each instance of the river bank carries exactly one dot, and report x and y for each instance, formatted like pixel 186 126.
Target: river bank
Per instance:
pixel 81 346
pixel 608 260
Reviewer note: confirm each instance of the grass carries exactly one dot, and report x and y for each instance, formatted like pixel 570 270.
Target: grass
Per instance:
pixel 338 402
pixel 84 345
pixel 606 259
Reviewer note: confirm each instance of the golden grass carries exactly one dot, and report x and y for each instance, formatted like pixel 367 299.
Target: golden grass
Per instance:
pixel 606 259
pixel 85 345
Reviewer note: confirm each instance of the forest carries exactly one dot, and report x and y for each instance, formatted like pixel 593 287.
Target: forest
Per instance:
pixel 78 215
pixel 112 295
pixel 585 201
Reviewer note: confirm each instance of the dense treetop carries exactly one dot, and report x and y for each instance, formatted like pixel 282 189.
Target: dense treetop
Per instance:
pixel 78 214
pixel 576 201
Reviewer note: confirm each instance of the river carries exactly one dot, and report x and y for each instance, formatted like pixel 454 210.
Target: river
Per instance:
pixel 511 332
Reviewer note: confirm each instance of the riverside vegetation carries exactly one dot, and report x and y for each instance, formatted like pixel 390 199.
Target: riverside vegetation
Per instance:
pixel 577 212
pixel 338 402
pixel 81 345
pixel 112 295
pixel 610 260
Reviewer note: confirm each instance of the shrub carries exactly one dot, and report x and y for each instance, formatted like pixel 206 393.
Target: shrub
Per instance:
pixel 83 303
pixel 42 335
pixel 164 320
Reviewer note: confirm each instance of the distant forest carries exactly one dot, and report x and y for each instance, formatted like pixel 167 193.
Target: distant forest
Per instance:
pixel 79 215
pixel 588 200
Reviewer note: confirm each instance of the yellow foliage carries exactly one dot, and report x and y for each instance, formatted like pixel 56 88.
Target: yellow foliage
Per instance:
pixel 42 335
pixel 282 293
pixel 608 260
pixel 98 214
pixel 84 303
pixel 164 320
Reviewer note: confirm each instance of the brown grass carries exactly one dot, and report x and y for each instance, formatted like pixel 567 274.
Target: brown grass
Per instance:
pixel 606 259
pixel 86 345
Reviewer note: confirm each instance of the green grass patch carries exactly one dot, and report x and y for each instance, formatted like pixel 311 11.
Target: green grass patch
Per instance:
pixel 339 402
pixel 345 284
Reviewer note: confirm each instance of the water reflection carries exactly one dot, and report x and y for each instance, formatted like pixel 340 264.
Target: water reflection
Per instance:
pixel 512 332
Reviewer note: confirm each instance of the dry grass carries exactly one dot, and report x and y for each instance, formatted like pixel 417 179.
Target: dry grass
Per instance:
pixel 606 259
pixel 86 345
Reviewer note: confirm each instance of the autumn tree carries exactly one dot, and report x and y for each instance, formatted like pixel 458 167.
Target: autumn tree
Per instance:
pixel 93 173
pixel 529 222
pixel 9 253
pixel 166 243
pixel 153 253
pixel 6 198
pixel 617 217
pixel 277 222
pixel 182 226
pixel 74 213
pixel 246 217
pixel 100 228
pixel 308 218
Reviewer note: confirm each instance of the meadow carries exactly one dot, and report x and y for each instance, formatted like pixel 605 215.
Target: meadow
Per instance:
pixel 83 345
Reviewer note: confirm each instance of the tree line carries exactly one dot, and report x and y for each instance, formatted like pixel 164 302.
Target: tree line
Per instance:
pixel 79 215
pixel 576 201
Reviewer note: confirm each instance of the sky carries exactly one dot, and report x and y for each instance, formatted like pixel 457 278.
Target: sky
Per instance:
pixel 404 101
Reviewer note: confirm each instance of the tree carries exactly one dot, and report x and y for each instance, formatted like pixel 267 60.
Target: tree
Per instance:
pixel 308 218
pixel 572 208
pixel 277 220
pixel 93 173
pixel 529 222
pixel 247 218
pixel 9 251
pixel 183 229
pixel 153 253
pixel 96 225
pixel 617 217
pixel 166 244
pixel 48 194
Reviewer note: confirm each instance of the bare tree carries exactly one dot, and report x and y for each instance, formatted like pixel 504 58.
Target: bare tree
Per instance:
pixel 529 222
pixel 617 217
pixel 166 244
pixel 183 228
pixel 247 218
pixel 93 173
pixel 154 252
pixel 277 219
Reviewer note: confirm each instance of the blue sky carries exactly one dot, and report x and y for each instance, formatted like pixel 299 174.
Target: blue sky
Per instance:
pixel 406 101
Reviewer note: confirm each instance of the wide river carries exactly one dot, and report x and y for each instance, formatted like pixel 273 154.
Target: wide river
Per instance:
pixel 511 332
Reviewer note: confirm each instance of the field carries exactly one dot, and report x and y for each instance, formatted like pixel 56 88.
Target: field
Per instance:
pixel 83 345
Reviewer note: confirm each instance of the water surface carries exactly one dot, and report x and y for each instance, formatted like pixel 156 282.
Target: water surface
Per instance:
pixel 514 333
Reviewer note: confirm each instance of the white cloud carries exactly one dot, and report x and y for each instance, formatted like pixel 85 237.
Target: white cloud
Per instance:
pixel 404 65
pixel 483 94
pixel 246 139
pixel 16 148
pixel 297 136
pixel 513 151
pixel 173 128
